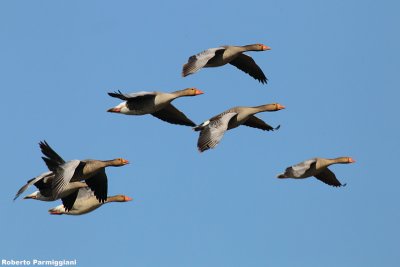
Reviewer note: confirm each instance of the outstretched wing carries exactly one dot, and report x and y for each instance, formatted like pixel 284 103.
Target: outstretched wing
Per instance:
pixel 213 130
pixel 172 115
pixel 255 122
pixel 138 95
pixel 52 159
pixel 199 60
pixel 247 64
pixel 328 177
pixel 31 182
pixel 99 185
pixel 69 200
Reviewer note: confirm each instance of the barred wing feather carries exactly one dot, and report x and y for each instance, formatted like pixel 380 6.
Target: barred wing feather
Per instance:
pixel 300 169
pixel 122 96
pixel 212 133
pixel 31 182
pixel 63 176
pixel 199 60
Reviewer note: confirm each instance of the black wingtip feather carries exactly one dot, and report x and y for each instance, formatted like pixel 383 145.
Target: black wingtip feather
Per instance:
pixel 263 81
pixel 114 94
pixel 117 94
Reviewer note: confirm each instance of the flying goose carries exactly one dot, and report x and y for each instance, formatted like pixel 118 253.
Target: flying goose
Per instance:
pixel 212 130
pixel 216 57
pixel 157 104
pixel 317 167
pixel 86 202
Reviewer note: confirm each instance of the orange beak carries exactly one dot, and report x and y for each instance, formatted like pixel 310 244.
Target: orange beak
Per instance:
pixel 264 47
pixel 126 198
pixel 55 213
pixel 124 161
pixel 351 160
pixel 279 107
pixel 198 92
pixel 115 110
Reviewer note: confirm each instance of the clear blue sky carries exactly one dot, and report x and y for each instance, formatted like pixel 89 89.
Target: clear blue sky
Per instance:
pixel 333 64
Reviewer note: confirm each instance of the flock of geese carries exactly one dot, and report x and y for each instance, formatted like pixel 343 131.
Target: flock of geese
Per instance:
pixel 82 185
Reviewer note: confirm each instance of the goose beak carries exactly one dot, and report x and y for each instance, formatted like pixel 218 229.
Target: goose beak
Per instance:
pixel 124 161
pixel 279 107
pixel 351 160
pixel 198 92
pixel 126 198
pixel 264 47
pixel 114 110
pixel 54 212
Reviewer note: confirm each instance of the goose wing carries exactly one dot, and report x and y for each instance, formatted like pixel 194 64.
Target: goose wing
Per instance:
pixel 328 177
pixel 131 96
pixel 98 183
pixel 33 181
pixel 255 122
pixel 63 176
pixel 247 64
pixel 199 60
pixel 52 159
pixel 172 115
pixel 68 201
pixel 301 168
pixel 213 130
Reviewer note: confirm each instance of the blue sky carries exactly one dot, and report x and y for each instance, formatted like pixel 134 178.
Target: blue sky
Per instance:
pixel 334 65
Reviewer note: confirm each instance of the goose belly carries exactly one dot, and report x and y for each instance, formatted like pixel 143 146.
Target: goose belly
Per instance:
pixel 139 111
pixel 82 207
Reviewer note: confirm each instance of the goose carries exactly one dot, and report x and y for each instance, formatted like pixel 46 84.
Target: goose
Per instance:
pixel 216 57
pixel 212 130
pixel 157 104
pixel 317 167
pixel 90 170
pixel 86 202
